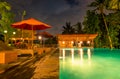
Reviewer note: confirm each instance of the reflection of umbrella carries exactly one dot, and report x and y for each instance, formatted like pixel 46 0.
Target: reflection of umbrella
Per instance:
pixel 44 34
pixel 31 24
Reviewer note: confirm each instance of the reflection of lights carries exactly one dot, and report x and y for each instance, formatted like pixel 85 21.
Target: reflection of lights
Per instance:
pixel 72 52
pixel 88 42
pixel 60 57
pixel 60 54
pixel 76 62
pixel 63 54
pixel 89 54
pixel 81 54
pixel 63 42
pixel 63 64
pixel 89 63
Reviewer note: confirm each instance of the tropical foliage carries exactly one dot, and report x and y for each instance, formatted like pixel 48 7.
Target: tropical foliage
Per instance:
pixel 90 21
pixel 68 29
pixel 6 18
pixel 78 28
pixel 113 4
pixel 103 19
pixel 107 24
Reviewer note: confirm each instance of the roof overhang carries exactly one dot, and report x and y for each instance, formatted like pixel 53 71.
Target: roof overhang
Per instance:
pixel 80 37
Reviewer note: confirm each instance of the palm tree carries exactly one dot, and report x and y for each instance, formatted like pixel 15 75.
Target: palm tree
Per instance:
pixel 78 28
pixel 114 19
pixel 100 6
pixel 4 6
pixel 68 29
pixel 6 19
pixel 91 22
pixel 114 5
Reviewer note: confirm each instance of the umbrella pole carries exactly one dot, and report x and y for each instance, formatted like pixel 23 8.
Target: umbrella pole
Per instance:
pixel 32 36
pixel 22 35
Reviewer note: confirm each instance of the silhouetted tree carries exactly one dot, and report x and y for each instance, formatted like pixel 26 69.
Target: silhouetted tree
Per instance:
pixel 68 29
pixel 100 6
pixel 78 28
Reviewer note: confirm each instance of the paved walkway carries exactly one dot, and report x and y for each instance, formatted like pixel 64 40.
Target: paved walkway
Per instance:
pixel 45 66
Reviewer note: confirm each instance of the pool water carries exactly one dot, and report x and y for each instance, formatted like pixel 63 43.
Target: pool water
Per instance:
pixel 103 64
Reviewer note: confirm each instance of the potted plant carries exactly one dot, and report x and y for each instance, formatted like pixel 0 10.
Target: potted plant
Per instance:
pixel 7 54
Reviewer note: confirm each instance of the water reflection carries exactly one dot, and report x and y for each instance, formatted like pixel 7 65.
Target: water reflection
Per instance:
pixel 72 53
pixel 82 56
pixel 88 66
pixel 89 56
pixel 63 55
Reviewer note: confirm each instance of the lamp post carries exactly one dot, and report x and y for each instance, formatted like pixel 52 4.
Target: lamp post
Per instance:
pixel 40 38
pixel 14 33
pixel 14 38
pixel 5 36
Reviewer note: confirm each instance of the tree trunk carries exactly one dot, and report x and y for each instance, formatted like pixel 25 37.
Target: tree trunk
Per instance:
pixel 102 13
pixel 109 38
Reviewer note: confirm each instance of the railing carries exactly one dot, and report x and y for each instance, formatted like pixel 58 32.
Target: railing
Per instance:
pixel 21 45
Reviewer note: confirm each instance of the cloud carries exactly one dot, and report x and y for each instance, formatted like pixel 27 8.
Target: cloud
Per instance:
pixel 52 12
pixel 72 3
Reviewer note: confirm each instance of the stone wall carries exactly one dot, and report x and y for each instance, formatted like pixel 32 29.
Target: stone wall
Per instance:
pixel 7 56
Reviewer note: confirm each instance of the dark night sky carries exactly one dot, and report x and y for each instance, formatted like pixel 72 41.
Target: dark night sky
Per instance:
pixel 52 12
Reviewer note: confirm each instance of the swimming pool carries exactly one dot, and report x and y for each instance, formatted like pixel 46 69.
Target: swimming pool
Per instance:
pixel 102 63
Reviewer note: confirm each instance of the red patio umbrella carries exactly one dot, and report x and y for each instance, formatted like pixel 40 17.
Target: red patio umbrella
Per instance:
pixel 30 24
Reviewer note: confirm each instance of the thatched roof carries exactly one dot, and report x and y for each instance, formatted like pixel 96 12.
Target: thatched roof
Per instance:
pixel 72 37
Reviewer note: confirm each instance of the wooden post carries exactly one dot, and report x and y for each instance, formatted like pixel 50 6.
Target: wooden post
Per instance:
pixel 92 43
pixel 32 37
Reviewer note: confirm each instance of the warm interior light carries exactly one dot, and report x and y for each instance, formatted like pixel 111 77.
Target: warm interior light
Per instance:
pixel 72 42
pixel 88 42
pixel 27 38
pixel 63 42
pixel 39 37
pixel 21 38
pixel 14 39
pixel 14 33
pixel 5 31
pixel 81 42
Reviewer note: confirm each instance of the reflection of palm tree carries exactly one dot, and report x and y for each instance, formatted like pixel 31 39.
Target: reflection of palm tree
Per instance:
pixel 68 29
pixel 100 4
